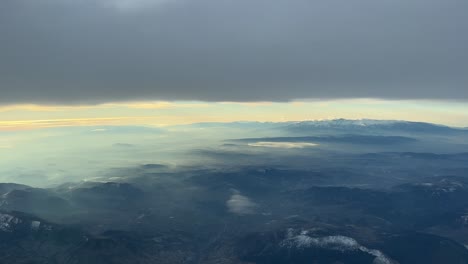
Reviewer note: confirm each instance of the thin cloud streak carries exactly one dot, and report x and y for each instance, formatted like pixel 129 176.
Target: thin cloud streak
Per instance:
pixel 137 105
pixel 54 123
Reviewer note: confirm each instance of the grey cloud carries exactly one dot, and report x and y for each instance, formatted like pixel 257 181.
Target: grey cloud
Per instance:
pixel 131 5
pixel 90 51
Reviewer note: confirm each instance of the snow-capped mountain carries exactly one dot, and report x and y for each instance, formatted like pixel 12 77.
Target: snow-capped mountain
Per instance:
pixel 371 126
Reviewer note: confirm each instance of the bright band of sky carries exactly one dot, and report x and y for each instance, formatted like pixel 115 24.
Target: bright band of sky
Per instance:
pixel 25 117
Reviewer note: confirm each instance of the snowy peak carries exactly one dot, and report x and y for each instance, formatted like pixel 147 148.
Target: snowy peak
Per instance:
pixel 371 126
pixel 8 222
pixel 11 222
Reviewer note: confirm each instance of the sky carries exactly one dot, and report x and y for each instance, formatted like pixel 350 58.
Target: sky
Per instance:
pixel 163 62
pixel 27 117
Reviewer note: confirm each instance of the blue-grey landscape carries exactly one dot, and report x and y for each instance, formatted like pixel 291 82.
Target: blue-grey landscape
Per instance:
pixel 335 191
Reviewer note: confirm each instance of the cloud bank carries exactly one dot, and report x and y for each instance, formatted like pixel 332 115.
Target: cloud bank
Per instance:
pixel 95 51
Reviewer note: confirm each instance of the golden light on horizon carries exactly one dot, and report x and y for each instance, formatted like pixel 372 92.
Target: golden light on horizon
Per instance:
pixel 162 113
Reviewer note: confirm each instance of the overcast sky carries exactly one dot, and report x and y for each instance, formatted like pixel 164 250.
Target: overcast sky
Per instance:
pixel 98 51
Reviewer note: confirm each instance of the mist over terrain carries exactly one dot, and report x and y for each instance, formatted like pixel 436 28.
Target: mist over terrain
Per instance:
pixel 332 191
pixel 56 155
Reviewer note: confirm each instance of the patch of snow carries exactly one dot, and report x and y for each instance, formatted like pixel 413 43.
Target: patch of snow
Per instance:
pixel 302 240
pixel 7 222
pixel 464 219
pixel 427 184
pixel 35 225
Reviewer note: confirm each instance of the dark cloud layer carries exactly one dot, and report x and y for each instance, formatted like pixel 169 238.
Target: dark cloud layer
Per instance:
pixel 91 51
